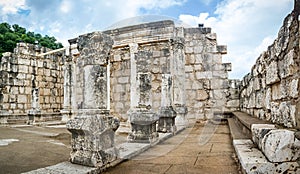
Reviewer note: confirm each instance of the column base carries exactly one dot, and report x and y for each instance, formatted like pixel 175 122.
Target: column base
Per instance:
pixel 34 115
pixel 181 120
pixel 143 127
pixel 92 140
pixel 166 122
pixel 66 115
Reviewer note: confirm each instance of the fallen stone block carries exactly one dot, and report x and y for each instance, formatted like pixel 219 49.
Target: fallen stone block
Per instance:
pixel 280 146
pixel 259 131
pixel 253 161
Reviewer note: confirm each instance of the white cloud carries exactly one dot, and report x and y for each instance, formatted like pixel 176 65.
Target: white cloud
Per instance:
pixel 246 27
pixel 66 6
pixel 66 19
pixel 11 6
pixel 201 19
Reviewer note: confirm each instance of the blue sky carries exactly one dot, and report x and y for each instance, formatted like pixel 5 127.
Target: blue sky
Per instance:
pixel 247 27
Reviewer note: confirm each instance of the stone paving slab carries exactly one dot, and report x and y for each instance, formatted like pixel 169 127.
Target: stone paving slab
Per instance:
pixel 127 151
pixel 36 147
pixel 182 153
pixel 188 156
pixel 65 167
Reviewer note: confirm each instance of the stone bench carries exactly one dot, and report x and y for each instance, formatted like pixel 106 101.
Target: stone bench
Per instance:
pixel 245 121
pixel 262 147
pixel 235 130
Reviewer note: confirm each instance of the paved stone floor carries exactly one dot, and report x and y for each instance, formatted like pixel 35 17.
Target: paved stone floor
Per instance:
pixel 204 148
pixel 32 148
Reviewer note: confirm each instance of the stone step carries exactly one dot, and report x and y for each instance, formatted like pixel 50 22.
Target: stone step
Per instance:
pixel 50 123
pixel 236 131
pixel 17 121
pixel 252 160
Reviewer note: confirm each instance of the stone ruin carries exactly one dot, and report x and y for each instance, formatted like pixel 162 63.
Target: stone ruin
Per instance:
pixel 154 77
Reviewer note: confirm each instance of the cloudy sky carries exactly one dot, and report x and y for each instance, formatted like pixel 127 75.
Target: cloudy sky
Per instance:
pixel 247 27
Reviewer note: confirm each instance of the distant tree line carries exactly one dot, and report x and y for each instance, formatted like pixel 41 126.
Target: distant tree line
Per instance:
pixel 11 35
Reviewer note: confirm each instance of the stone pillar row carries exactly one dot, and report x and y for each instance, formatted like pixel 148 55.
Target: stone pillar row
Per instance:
pixel 87 100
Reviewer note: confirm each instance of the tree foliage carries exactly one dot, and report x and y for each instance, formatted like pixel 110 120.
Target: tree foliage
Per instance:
pixel 11 35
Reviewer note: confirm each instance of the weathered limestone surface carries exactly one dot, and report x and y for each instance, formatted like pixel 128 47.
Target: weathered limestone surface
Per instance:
pixel 30 84
pixel 271 90
pixel 92 128
pixel 92 140
pixel 253 160
pixel 208 89
pixel 141 116
pixel 200 79
pixel 259 131
pixel 280 146
pixel 178 73
pixel 69 72
pixel 166 122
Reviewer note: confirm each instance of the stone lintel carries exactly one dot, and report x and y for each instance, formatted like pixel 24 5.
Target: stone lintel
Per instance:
pixel 73 41
pixel 150 25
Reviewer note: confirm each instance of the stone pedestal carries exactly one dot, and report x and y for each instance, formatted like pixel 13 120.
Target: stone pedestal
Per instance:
pixel 92 139
pixel 143 127
pixel 167 114
pixel 166 122
pixel 181 118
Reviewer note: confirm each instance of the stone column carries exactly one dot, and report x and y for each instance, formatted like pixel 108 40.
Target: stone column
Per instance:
pixel 69 80
pixel 92 128
pixel 178 71
pixel 167 114
pixel 34 113
pixel 142 118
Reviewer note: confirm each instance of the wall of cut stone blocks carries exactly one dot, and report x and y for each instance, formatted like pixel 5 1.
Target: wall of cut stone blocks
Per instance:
pixel 120 78
pixel 207 88
pixel 207 85
pixel 271 90
pixel 120 83
pixel 22 71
